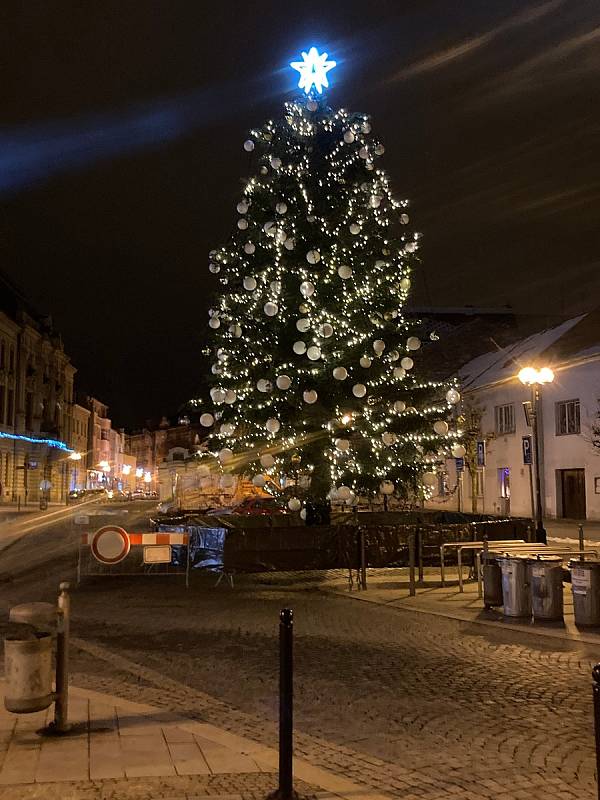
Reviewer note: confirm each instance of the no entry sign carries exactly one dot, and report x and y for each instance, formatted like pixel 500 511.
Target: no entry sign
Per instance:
pixel 110 544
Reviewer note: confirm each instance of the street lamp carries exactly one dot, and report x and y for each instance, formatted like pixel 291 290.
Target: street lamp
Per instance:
pixel 530 376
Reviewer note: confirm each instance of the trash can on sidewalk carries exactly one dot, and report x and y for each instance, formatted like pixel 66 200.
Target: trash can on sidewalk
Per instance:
pixel 492 584
pixel 515 586
pixel 546 579
pixel 585 585
pixel 28 658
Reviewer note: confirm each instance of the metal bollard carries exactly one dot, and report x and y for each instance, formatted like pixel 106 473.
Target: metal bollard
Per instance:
pixel 411 564
pixel 596 695
pixel 419 537
pixel 286 705
pixel 362 582
pixel 61 705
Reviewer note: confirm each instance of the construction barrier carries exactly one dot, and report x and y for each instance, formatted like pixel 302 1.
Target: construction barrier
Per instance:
pixel 111 550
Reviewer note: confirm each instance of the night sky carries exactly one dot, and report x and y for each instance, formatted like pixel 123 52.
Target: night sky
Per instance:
pixel 121 157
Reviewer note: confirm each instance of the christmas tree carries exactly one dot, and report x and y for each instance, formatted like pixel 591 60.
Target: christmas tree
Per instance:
pixel 316 366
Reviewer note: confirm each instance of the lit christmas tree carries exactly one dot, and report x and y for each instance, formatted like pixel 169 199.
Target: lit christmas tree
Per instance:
pixel 316 366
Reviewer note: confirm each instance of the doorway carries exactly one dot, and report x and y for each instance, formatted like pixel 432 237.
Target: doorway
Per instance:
pixel 504 490
pixel 572 493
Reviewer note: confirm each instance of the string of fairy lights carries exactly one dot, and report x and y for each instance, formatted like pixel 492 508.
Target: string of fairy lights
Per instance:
pixel 314 358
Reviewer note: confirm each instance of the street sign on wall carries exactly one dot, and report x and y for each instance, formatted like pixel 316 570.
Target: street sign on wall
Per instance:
pixel 460 464
pixel 527 450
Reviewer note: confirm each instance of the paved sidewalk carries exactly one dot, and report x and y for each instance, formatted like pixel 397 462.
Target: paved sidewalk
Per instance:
pixel 120 749
pixel 390 587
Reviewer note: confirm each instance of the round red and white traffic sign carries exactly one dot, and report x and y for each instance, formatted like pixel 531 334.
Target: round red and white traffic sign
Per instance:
pixel 110 544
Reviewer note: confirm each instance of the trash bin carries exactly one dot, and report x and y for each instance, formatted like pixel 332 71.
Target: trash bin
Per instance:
pixel 28 658
pixel 28 669
pixel 546 579
pixel 585 585
pixel 515 586
pixel 492 584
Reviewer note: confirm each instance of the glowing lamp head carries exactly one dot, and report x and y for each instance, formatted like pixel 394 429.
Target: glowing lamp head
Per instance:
pixel 545 375
pixel 147 477
pixel 530 376
pixel 313 70
pixel 126 469
pixel 139 472
pixel 75 456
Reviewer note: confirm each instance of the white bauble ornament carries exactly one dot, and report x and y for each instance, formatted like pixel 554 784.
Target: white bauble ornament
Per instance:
pixel 393 355
pixel 227 481
pixel 366 127
pixel 389 438
pixel 303 308
pixel 340 373
pixel 363 152
pixel 411 410
pixel 407 363
pixel 263 170
pixel 225 455
pixel 375 201
pixel 275 286
pixel 405 284
pixel 312 105
pixel 249 283
pixel 343 492
pixel 379 345
pixel 386 487
pixel 272 425
pixel 303 324
pixel 230 396
pixel 281 208
pixel 267 461
pixel 399 372
pixel 354 228
pixel 294 504
pixel 310 396
pixel 314 352
pixel 365 362
pixel 275 162
pixel 348 137
pixel 217 395
pixel 410 247
pixel 433 336
pixel 359 390
pixel 429 478
pixel 458 451
pixel 440 427
pixel 242 223
pixel 307 288
pixel 249 248
pixel 242 207
pixel 216 369
pixel 248 145
pixel 299 348
pixel 413 343
pixel 263 385
pixel 342 444
pixel 326 330
pixel 259 480
pixel 289 243
pixel 303 514
pixel 452 396
pixel 283 382
pixel 214 322
pixel 270 309
pixel 206 420
pixel 404 218
pixel 399 406
pixel 280 236
pixel 269 228
pixel 235 330
pixel 344 271
pixel 227 429
pixel 214 268
pixel 379 149
pixel 313 256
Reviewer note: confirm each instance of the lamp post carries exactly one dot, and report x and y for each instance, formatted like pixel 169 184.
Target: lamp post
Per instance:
pixel 529 376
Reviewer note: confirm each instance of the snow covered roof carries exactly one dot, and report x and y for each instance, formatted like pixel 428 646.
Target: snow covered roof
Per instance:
pixel 573 339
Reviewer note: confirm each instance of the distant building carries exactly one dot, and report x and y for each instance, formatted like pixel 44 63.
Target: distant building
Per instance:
pixel 569 426
pixel 79 443
pixel 36 403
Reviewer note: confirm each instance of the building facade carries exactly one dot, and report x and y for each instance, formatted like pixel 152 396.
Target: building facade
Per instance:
pixel 36 404
pixel 500 478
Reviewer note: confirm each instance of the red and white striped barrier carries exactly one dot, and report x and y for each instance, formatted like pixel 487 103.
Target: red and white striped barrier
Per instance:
pixel 144 553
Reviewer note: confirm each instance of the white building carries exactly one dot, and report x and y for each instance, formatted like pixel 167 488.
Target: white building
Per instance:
pixel 568 412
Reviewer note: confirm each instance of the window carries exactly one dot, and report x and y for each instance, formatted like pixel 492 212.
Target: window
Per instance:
pixel 567 417
pixel 104 435
pixel 505 418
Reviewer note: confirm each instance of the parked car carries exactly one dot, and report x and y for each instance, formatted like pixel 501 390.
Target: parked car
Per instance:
pixel 138 494
pixel 252 506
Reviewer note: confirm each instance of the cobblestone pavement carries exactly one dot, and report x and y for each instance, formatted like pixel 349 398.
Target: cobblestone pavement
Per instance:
pixel 411 705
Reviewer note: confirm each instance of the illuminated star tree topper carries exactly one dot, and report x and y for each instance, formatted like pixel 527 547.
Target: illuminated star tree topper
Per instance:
pixel 313 70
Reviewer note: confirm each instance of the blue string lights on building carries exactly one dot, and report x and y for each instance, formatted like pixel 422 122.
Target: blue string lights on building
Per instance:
pixel 32 440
